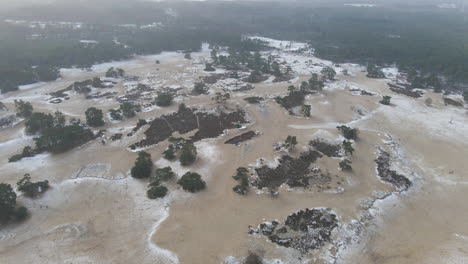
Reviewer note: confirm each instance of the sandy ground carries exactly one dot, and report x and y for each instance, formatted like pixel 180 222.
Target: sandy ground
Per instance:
pixel 103 216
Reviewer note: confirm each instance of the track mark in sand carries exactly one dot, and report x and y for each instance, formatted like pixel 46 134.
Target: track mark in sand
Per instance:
pixel 97 171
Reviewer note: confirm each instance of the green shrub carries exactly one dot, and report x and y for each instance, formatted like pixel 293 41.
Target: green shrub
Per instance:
pixel 348 132
pixel 386 100
pixel 165 174
pixel 192 182
pixel 164 99
pixel 345 165
pixel 155 192
pixel 143 166
pixel 188 154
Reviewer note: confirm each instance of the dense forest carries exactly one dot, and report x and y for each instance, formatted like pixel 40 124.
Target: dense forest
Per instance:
pixel 422 38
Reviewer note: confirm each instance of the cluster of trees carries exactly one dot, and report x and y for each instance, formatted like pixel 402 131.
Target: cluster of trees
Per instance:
pixel 294 98
pixel 94 117
pixel 143 167
pixel 53 132
pixel 242 176
pixel 426 39
pixel 115 73
pixel 184 149
pixel 328 74
pixel 423 81
pixel 315 84
pixel 155 188
pixel 349 134
pixel 126 110
pixel 240 57
pixel 374 72
pixel 32 189
pixel 9 210
pixel 248 58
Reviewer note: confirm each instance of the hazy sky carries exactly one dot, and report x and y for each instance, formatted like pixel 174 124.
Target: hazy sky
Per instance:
pixel 6 4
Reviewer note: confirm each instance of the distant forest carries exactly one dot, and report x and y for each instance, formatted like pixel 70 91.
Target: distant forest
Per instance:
pixel 422 38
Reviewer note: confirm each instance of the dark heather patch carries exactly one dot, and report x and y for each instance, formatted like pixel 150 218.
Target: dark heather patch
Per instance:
pixel 214 78
pixel 304 230
pixel 212 125
pixel 283 78
pixel 404 90
pixel 293 171
pixel 326 148
pixel 61 93
pixel 448 101
pixel 99 95
pixel 116 137
pixel 243 88
pixel 390 176
pixel 209 125
pixel 241 138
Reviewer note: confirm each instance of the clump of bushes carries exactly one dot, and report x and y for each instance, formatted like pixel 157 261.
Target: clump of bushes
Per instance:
pixel 348 132
pixel 254 100
pixel 290 142
pixel 348 147
pixel 209 67
pixel 345 165
pixel 164 99
pixel 192 182
pixel 143 166
pixel 305 110
pixel 185 149
pixel 24 109
pixel 115 73
pixel 386 100
pixel 294 98
pixel 8 208
pixel 32 189
pixel 27 152
pixel 200 88
pixel 94 117
pixel 242 177
pixel 164 174
pixel 155 189
pixel 126 110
